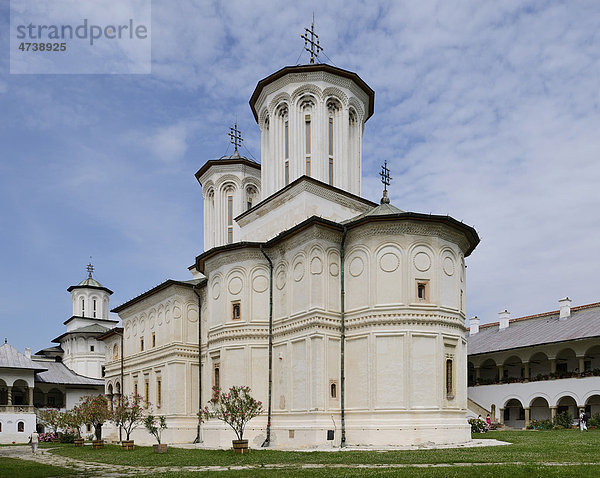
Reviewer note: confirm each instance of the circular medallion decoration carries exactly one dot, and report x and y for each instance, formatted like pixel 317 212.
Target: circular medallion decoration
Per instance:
pixel 357 266
pixel 334 269
pixel 192 313
pixel 422 261
pixel 151 320
pixel 235 285
pixel 168 315
pixel 216 290
pixel 389 262
pixel 280 281
pixel 299 271
pixel 260 284
pixel 177 312
pixel 448 266
pixel 316 265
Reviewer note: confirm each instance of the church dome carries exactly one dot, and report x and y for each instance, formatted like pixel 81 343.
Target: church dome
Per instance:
pixel 90 282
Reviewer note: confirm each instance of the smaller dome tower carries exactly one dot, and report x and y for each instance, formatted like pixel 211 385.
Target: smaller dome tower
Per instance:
pixel 230 186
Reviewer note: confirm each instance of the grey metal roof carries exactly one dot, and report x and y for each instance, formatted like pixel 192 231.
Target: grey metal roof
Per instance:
pixel 584 322
pixel 10 357
pixel 384 209
pixel 88 329
pixel 58 372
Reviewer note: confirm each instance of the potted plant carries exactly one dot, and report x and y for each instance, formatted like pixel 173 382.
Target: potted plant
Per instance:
pixel 235 408
pixel 155 426
pixel 128 414
pixel 95 411
pixel 73 419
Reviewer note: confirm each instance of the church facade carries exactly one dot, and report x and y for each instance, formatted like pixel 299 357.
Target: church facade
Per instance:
pixel 345 317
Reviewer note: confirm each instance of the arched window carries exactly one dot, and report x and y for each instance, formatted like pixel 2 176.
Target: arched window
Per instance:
pixel 449 378
pixel 333 106
pixel 82 307
pixel 21 427
pixel 283 119
pixel 333 390
pixel 94 308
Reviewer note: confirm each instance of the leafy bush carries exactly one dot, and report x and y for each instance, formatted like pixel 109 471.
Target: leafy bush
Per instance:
pixel 477 426
pixel 66 437
pixel 541 424
pixel 594 421
pixel 563 420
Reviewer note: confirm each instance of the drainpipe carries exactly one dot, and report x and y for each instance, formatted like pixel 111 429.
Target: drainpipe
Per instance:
pixel 198 438
pixel 343 339
pixel 267 441
pixel 122 386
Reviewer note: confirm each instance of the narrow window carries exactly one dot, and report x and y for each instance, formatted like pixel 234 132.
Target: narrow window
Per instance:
pixel 88 427
pixel 94 307
pixel 216 378
pixel 249 203
pixel 422 291
pixel 83 307
pixel 153 339
pixel 158 393
pixel 0 427
pixel 331 151
pixel 135 389
pixel 91 348
pixel 21 427
pixel 103 370
pixel 449 383
pixel 141 344
pixel 287 153
pixel 229 219
pixel 308 145
pixel 147 392
pixel 236 312
pixel 333 390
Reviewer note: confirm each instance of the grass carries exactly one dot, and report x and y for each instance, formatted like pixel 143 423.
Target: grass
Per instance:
pixel 13 467
pixel 530 447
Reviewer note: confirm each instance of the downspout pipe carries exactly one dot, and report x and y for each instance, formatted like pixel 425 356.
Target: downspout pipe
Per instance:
pixel 198 438
pixel 342 339
pixel 267 441
pixel 122 386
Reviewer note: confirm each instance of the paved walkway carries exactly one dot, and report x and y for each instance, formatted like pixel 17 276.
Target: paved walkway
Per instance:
pixel 101 470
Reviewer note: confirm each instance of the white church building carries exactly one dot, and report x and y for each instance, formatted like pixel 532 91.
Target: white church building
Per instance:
pixel 345 317
pixel 56 377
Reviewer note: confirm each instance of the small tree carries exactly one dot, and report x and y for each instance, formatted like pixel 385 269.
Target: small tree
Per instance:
pixel 73 419
pixel 155 425
pixel 235 408
pixel 129 413
pixel 52 418
pixel 95 411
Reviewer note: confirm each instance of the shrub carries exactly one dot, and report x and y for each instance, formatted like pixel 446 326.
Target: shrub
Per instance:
pixel 477 426
pixel 541 424
pixel 594 421
pixel 155 425
pixel 67 436
pixel 563 420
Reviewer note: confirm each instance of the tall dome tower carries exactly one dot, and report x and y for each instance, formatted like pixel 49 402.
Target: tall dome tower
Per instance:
pixel 311 119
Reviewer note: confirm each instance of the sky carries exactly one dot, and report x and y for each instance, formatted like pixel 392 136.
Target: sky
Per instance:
pixel 486 111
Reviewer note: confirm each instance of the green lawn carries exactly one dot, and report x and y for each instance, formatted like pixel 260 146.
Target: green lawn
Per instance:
pixel 529 447
pixel 13 468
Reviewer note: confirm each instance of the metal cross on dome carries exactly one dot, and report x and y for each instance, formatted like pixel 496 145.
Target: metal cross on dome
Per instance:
pixel 314 48
pixel 385 175
pixel 385 179
pixel 236 137
pixel 90 268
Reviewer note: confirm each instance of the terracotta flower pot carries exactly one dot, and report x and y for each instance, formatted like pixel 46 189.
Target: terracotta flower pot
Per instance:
pixel 127 444
pixel 98 444
pixel 160 448
pixel 78 441
pixel 240 446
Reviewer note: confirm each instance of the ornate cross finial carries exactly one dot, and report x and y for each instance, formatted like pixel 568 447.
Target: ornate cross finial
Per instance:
pixel 90 268
pixel 313 41
pixel 236 137
pixel 385 179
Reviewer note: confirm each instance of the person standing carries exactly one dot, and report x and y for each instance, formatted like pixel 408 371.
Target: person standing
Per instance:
pixel 585 419
pixel 34 439
pixel 488 421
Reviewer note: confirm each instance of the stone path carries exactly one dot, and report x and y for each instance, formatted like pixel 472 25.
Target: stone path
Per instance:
pixel 101 470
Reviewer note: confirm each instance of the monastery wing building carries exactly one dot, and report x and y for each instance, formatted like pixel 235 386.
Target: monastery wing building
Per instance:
pixel 348 315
